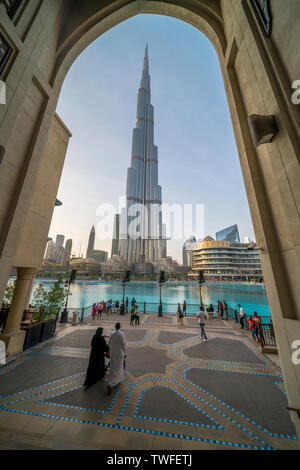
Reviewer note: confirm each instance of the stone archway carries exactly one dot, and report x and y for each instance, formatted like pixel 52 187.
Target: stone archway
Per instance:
pixel 45 38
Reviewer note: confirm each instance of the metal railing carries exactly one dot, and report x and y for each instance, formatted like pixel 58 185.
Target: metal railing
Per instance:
pixel 267 336
pixel 152 308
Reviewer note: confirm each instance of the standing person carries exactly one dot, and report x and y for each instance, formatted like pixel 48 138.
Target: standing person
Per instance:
pixel 221 310
pixel 202 317
pixel 100 308
pixel 104 307
pixel 132 315
pixel 117 346
pixel 96 368
pixel 251 324
pixel 210 311
pixel 113 306
pixel 180 315
pixel 133 302
pixel 94 312
pixel 226 311
pixel 242 316
pixel 108 307
pixel 137 316
pixel 257 320
pixel 184 308
pixel 126 305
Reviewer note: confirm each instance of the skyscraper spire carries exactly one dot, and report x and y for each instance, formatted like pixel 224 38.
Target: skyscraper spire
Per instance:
pixel 142 182
pixel 146 59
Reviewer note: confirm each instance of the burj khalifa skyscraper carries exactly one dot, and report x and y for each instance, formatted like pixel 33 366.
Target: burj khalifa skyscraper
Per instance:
pixel 142 237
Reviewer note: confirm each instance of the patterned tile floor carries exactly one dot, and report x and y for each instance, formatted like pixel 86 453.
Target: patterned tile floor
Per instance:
pixel 179 393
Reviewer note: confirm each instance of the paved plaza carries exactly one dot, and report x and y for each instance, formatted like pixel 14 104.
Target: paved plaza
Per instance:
pixel 179 393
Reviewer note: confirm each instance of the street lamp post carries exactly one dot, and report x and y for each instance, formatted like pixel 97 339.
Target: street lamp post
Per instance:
pixel 126 279
pixel 201 282
pixel 162 280
pixel 65 313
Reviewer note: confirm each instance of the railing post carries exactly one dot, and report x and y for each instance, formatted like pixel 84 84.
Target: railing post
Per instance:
pixel 236 316
pixel 82 314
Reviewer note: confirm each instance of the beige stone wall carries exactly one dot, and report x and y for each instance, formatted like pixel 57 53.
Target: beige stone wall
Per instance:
pixel 33 239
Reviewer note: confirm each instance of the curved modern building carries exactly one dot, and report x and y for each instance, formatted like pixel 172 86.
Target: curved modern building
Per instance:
pixel 224 261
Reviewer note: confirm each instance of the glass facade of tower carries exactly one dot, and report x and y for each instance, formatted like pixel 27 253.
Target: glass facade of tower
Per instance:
pixel 143 193
pixel 230 234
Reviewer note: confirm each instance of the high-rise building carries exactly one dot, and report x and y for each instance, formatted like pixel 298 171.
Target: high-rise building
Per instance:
pixel 50 250
pixel 68 251
pixel 185 252
pixel 143 191
pixel 100 256
pixel 91 244
pixel 230 234
pixel 115 250
pixel 60 240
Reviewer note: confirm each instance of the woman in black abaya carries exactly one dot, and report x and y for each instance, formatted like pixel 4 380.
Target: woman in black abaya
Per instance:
pixel 96 369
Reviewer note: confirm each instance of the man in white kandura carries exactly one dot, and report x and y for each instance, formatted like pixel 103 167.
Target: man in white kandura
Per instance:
pixel 117 347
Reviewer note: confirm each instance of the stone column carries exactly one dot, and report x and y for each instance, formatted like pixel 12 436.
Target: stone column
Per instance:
pixel 13 336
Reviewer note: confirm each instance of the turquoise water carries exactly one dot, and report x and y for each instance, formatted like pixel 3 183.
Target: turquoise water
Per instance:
pixel 251 297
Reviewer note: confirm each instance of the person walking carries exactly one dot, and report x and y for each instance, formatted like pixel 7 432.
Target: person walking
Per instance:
pixel 202 317
pixel 126 305
pixel 242 316
pixel 180 315
pixel 96 367
pixel 94 311
pixel 184 308
pixel 117 346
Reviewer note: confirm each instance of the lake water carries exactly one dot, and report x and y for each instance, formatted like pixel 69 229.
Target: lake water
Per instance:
pixel 251 297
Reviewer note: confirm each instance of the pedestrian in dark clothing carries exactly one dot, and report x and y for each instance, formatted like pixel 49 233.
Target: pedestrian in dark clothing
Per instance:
pixel 96 368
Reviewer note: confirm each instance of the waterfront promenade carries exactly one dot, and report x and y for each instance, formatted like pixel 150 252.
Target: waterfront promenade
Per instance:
pixel 179 393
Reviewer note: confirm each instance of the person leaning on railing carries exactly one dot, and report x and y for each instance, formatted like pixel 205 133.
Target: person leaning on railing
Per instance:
pixel 257 321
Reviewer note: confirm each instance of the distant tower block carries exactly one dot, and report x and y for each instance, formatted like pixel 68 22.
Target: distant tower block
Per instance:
pixel 148 244
pixel 91 245
pixel 115 250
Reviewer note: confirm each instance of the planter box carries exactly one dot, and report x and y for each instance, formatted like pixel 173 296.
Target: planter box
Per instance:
pixel 33 334
pixel 47 330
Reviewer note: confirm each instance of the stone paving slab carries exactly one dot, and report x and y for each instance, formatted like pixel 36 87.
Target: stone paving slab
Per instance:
pixel 154 320
pixel 161 403
pixel 146 360
pixel 168 337
pixel 95 398
pixel 153 388
pixel 223 349
pixel 255 396
pixel 39 370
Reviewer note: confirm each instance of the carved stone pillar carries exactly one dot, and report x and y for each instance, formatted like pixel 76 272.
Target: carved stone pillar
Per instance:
pixel 13 336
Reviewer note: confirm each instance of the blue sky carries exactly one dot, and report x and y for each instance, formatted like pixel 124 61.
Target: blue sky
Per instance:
pixel 198 160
